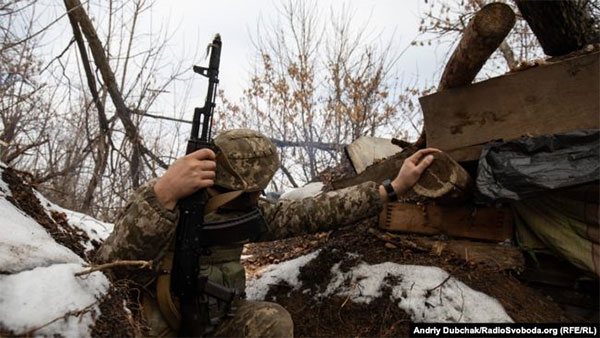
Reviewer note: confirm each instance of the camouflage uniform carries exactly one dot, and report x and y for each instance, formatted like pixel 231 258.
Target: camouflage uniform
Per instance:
pixel 145 231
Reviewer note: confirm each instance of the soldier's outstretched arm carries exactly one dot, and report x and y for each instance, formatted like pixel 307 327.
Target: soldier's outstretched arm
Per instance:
pixel 326 211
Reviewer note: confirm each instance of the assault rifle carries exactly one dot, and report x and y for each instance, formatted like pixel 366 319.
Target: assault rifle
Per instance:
pixel 186 284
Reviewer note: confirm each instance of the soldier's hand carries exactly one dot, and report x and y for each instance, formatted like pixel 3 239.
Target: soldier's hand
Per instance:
pixel 185 176
pixel 411 170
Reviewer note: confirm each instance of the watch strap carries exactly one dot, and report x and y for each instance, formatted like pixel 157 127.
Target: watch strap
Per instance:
pixel 391 193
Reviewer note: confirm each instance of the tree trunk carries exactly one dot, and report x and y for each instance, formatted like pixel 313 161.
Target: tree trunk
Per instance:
pixel 484 34
pixel 102 143
pixel 560 26
pixel 123 112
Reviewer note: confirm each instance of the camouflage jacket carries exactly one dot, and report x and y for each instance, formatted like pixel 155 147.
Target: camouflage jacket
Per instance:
pixel 145 229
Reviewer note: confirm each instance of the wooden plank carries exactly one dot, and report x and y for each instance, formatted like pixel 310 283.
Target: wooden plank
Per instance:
pixel 500 257
pixel 485 223
pixel 377 172
pixel 549 99
pixel 365 151
pixel 466 154
pixel 494 256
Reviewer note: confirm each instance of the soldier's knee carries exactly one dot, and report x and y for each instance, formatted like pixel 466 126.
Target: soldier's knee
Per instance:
pixel 271 320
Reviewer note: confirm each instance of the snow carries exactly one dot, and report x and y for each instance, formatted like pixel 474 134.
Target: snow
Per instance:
pixel 285 272
pixel 95 229
pixel 31 299
pixel 24 244
pixel 452 301
pixel 39 293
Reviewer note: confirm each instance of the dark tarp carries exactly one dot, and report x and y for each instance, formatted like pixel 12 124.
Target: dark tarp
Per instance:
pixel 522 168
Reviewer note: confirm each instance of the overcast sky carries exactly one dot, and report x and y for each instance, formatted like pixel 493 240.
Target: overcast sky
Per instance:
pixel 193 24
pixel 236 20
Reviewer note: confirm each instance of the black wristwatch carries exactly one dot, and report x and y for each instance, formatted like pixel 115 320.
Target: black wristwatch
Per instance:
pixel 391 193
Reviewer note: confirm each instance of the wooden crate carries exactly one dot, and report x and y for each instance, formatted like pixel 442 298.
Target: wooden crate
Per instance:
pixel 484 223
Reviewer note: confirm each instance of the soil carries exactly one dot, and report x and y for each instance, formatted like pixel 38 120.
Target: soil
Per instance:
pixel 22 197
pixel 339 317
pixel 115 320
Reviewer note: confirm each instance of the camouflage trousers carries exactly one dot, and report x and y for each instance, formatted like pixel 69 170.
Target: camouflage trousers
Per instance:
pixel 250 319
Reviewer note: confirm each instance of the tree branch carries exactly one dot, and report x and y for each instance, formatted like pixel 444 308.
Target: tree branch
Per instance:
pixel 140 264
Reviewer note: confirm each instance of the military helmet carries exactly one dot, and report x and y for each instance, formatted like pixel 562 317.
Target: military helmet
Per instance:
pixel 246 160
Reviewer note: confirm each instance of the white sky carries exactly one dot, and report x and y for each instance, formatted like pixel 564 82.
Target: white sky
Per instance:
pixel 198 21
pixel 193 24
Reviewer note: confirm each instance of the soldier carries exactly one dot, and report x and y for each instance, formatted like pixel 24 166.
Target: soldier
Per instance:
pixel 244 163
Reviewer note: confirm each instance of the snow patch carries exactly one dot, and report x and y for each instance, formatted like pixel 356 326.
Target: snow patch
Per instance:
pixel 24 244
pixel 31 299
pixel 426 293
pixel 288 271
pixel 95 229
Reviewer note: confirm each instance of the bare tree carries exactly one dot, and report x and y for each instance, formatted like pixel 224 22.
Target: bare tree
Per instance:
pixel 75 122
pixel 319 82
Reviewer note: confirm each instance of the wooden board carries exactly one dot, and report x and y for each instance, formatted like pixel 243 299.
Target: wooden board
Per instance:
pixel 485 223
pixel 549 99
pixel 365 151
pixel 500 257
pixel 377 172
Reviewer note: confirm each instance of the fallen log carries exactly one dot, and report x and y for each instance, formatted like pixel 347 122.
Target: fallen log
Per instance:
pixel 561 27
pixel 482 36
pixel 444 181
pixel 480 39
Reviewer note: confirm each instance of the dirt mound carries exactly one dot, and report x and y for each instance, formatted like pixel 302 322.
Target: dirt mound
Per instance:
pixel 336 316
pixel 115 319
pixel 57 226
